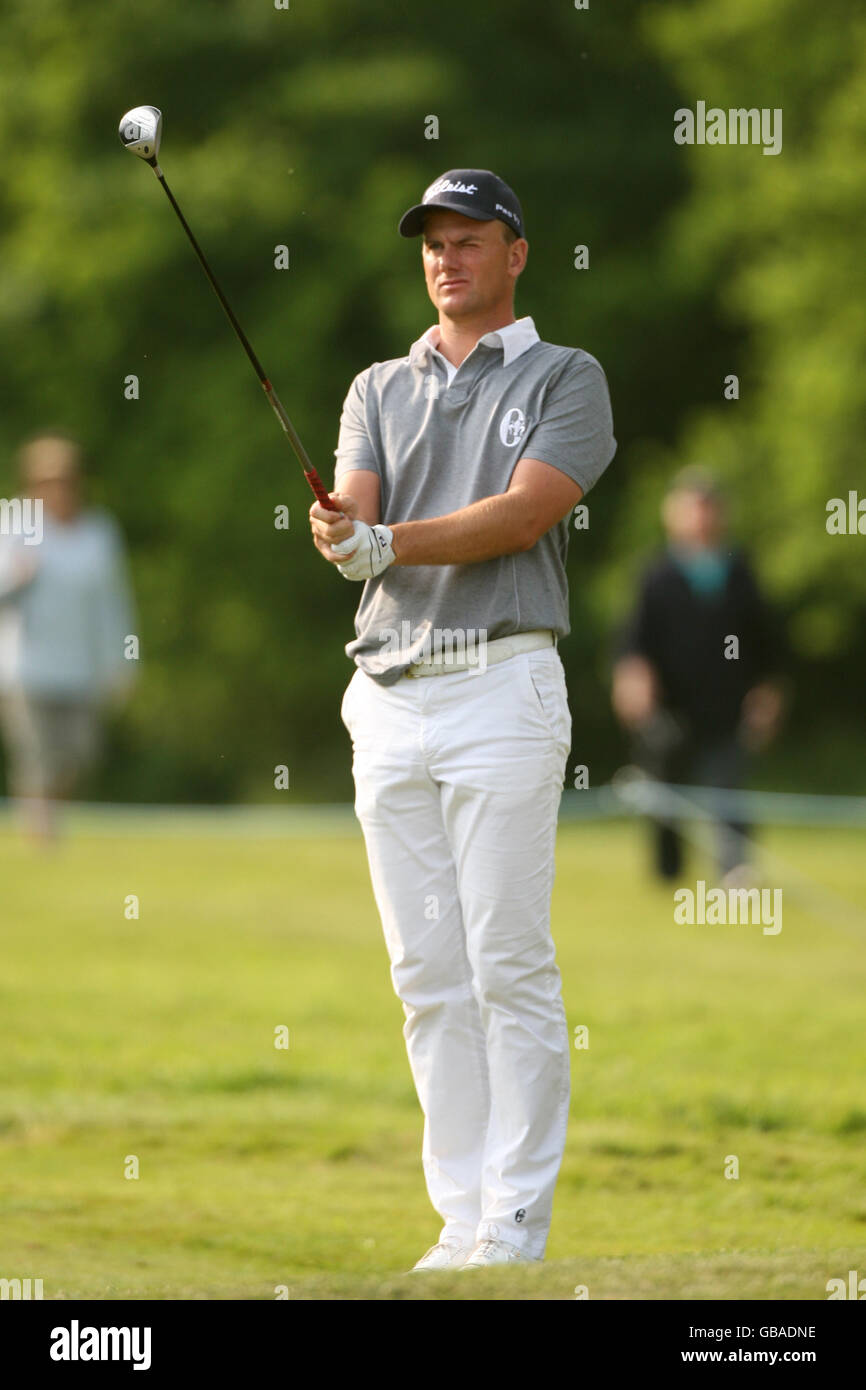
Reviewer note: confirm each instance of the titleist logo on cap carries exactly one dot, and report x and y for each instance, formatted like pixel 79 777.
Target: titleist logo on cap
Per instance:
pixel 446 186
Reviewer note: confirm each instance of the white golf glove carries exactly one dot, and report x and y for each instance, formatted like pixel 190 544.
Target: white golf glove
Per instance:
pixel 371 551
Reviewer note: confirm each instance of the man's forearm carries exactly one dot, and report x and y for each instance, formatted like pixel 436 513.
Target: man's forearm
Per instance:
pixel 493 526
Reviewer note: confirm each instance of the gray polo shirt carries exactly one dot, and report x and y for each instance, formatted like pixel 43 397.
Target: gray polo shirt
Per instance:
pixel 440 438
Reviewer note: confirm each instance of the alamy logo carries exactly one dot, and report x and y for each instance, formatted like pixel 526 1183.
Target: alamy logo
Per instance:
pixel 76 1343
pixel 445 646
pixel 21 1288
pixel 512 427
pixel 733 906
pixel 856 1287
pixel 22 516
pixel 846 521
pixel 448 186
pixel 739 126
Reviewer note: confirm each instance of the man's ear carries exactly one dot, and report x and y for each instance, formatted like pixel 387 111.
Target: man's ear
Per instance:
pixel 519 252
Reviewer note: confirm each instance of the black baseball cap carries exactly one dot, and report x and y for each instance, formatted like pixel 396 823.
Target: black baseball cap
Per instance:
pixel 475 192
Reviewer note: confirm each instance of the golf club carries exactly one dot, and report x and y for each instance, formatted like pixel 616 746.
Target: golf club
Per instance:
pixel 140 130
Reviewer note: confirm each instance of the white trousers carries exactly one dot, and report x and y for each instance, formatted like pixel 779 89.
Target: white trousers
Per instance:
pixel 458 779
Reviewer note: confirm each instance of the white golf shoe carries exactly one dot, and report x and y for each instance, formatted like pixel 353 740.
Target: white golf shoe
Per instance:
pixel 446 1254
pixel 494 1252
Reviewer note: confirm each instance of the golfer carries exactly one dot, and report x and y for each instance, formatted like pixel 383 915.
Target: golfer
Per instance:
pixel 457 469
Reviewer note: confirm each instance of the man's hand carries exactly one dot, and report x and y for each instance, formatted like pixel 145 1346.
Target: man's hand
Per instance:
pixel 369 551
pixel 359 551
pixel 329 528
pixel 635 693
pixel 761 715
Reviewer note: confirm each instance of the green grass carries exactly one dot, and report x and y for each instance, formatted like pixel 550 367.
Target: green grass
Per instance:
pixel 301 1168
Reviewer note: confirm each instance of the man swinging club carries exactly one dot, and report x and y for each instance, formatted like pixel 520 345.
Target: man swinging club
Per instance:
pixel 457 469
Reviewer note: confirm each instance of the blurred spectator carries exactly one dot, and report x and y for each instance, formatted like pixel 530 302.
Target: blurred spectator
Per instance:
pixel 65 612
pixel 694 712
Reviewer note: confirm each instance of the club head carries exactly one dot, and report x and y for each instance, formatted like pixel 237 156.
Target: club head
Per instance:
pixel 140 130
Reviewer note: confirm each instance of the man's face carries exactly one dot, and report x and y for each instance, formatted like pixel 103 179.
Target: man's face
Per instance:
pixel 693 519
pixel 51 474
pixel 469 266
pixel 61 497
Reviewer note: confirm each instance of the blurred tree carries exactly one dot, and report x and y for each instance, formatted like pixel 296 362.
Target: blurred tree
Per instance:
pixel 778 242
pixel 306 128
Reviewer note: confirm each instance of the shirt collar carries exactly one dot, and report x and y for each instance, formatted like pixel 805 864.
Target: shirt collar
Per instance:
pixel 514 339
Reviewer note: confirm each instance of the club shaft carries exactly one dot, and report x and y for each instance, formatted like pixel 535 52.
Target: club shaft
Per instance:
pixel 276 404
pixel 309 471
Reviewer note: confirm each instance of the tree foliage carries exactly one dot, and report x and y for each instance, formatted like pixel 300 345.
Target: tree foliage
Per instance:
pixel 305 127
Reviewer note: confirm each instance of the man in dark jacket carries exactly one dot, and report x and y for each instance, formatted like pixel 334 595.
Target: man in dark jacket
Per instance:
pixel 694 679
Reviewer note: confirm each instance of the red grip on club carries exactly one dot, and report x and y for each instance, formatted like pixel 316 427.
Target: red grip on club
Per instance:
pixel 320 490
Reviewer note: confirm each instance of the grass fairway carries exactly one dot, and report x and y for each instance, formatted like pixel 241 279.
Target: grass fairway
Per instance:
pixel 261 1168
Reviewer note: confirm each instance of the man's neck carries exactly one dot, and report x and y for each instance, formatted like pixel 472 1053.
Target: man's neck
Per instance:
pixel 457 338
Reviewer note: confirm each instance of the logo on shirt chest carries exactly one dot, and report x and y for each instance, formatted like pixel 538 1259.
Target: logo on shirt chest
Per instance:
pixel 512 427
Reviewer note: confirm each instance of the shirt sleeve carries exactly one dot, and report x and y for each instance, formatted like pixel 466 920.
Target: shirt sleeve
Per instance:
pixel 355 448
pixel 575 432
pixel 639 636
